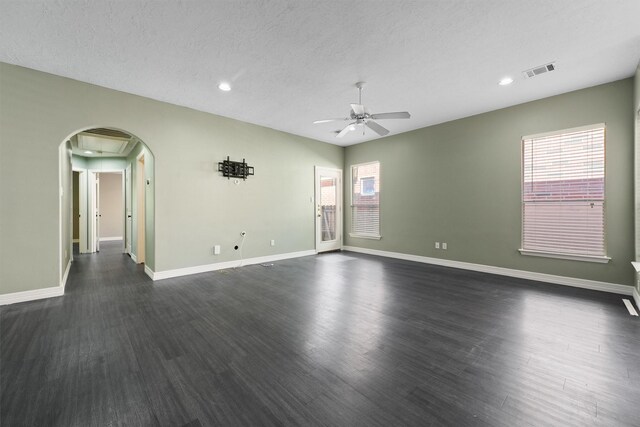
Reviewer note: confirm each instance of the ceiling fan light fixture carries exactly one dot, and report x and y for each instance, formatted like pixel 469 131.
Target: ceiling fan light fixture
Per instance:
pixel 224 86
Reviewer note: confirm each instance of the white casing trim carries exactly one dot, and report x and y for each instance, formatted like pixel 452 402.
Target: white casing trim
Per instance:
pixel 530 275
pixel 159 275
pixel 109 239
pixel 636 297
pixel 31 295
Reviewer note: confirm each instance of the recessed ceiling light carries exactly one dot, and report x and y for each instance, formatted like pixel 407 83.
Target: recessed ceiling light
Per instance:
pixel 224 86
pixel 88 152
pixel 505 81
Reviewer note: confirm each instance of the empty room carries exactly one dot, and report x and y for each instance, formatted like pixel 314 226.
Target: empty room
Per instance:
pixel 376 213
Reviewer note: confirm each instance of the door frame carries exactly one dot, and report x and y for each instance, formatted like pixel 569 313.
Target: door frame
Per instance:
pixel 128 218
pixel 82 209
pixel 93 199
pixel 337 244
pixel 94 205
pixel 141 226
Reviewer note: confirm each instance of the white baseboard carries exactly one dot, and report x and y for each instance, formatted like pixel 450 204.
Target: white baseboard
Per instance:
pixel 530 275
pixel 159 275
pixel 65 276
pixel 109 239
pixel 149 272
pixel 32 295
pixel 636 297
pixel 134 257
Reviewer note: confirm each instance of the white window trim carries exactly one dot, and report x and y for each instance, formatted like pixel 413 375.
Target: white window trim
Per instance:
pixel 558 255
pixel 587 258
pixel 570 130
pixel 366 236
pixel 363 235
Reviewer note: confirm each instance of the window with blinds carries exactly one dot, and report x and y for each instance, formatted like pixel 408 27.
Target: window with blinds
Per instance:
pixel 563 194
pixel 365 200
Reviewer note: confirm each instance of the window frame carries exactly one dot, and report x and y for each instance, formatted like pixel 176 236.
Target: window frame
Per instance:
pixel 560 254
pixel 360 235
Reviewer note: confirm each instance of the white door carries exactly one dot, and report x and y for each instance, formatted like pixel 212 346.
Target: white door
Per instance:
pixel 97 228
pixel 82 220
pixel 328 213
pixel 93 241
pixel 127 209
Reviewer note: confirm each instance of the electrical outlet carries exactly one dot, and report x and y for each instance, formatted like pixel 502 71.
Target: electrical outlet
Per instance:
pixel 273 242
pixel 437 245
pixel 216 250
pixel 444 246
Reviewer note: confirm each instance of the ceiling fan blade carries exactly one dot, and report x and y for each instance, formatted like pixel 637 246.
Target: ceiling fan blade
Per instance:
pixel 344 131
pixel 377 128
pixel 396 115
pixel 331 120
pixel 358 109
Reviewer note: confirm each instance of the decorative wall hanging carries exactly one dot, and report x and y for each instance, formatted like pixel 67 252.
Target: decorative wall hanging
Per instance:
pixel 232 169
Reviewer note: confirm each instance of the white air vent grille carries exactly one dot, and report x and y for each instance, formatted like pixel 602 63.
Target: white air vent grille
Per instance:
pixel 536 71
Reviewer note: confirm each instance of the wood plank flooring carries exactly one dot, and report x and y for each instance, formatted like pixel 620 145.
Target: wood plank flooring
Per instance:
pixel 340 339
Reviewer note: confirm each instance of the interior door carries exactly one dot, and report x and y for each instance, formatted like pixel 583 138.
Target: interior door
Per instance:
pixel 97 205
pixel 328 197
pixel 92 213
pixel 82 221
pixel 127 209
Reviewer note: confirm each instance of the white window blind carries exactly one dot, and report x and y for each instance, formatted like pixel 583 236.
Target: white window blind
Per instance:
pixel 365 200
pixel 563 193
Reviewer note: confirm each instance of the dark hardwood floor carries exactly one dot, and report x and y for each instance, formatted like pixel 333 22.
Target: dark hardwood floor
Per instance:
pixel 338 339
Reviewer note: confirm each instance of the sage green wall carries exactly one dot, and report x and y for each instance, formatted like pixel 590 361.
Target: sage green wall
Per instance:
pixel 636 115
pixel 459 182
pixel 79 162
pixel 106 163
pixel 195 207
pixel 637 87
pixel 66 207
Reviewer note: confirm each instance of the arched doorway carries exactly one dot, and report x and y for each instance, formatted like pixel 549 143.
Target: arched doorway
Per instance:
pixel 107 195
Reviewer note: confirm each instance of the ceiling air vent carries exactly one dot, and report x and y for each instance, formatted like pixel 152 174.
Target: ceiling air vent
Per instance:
pixel 536 71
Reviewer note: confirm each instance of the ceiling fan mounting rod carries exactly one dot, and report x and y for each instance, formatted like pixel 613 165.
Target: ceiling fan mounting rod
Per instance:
pixel 359 85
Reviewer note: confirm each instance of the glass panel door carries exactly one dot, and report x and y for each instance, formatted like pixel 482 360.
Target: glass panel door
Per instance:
pixel 328 198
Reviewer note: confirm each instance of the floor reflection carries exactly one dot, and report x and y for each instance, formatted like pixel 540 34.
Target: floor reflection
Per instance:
pixel 348 319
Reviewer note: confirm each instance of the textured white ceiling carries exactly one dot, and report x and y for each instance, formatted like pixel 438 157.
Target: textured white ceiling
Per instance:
pixel 293 62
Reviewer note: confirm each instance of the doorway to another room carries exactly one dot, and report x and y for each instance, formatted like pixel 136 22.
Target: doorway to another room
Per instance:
pixel 111 175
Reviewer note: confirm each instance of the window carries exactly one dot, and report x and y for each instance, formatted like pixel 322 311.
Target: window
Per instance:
pixel 563 194
pixel 365 200
pixel 368 186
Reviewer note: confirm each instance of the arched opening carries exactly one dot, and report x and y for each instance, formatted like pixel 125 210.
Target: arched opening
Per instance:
pixel 107 195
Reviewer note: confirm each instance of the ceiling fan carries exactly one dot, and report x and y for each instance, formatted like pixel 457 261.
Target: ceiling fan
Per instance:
pixel 361 117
